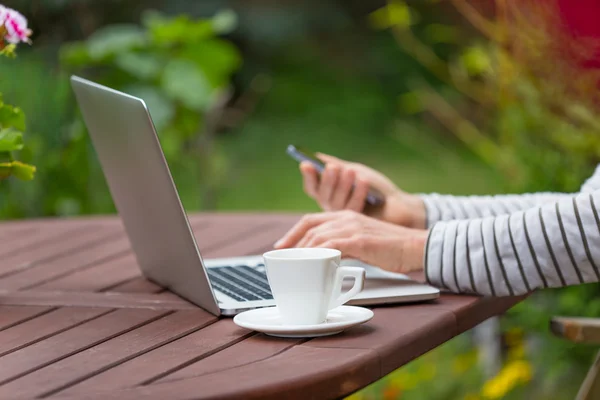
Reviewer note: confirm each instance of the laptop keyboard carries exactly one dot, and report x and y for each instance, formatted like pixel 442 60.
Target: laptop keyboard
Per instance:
pixel 242 283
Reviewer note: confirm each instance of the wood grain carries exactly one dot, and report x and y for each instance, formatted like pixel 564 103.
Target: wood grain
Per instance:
pixel 51 250
pixel 77 321
pixel 44 326
pixel 255 348
pixel 473 310
pixel 81 337
pixel 103 356
pixel 578 330
pixel 40 238
pixel 70 260
pixel 96 278
pixel 397 333
pixel 326 374
pixel 13 315
pixel 170 357
pixel 136 285
pixel 86 299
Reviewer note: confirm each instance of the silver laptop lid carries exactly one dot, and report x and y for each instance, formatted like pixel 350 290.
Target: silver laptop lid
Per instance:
pixel 143 190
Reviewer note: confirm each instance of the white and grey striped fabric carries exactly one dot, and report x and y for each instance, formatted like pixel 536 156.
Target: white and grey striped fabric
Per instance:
pixel 513 244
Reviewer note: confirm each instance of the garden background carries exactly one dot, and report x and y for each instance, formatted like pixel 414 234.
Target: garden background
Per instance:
pixel 449 96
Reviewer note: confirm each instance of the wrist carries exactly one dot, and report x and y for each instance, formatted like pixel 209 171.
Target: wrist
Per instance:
pixel 407 210
pixel 415 251
pixel 417 211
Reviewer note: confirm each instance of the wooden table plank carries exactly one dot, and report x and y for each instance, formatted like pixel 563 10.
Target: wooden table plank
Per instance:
pixel 168 301
pixel 216 242
pixel 97 277
pixel 55 344
pixel 138 284
pixel 45 237
pixel 170 357
pixel 69 261
pixel 51 250
pixel 472 310
pixel 397 333
pixel 276 377
pixel 44 326
pixel 13 315
pixel 81 337
pixel 96 274
pixel 256 348
pixel 87 363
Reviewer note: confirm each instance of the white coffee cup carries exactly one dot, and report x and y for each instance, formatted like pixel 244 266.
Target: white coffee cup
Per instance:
pixel 307 282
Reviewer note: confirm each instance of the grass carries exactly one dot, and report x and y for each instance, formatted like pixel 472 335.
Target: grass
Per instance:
pixel 349 117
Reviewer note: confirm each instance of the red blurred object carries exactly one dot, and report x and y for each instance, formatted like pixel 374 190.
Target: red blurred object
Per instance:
pixel 582 19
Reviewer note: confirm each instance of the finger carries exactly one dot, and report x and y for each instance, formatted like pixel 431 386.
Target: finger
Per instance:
pixel 350 246
pixel 341 244
pixel 359 195
pixel 326 158
pixel 299 230
pixel 310 178
pixel 344 189
pixel 328 184
pixel 318 234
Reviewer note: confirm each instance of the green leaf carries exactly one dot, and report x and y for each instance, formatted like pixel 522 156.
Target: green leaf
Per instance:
pixel 9 51
pixel 10 140
pixel 6 157
pixel 396 13
pixel 11 117
pixel 476 60
pixel 225 21
pixel 115 39
pixel 75 55
pixel 183 81
pixel 161 108
pixel 142 66
pixel 18 169
pixel 180 29
pixel 218 59
pixel 23 171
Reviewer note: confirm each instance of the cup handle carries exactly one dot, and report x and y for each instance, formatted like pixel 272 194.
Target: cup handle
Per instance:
pixel 359 282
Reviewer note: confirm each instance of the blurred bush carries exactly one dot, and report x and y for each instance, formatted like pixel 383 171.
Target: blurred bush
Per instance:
pixel 179 66
pixel 182 69
pixel 12 126
pixel 515 92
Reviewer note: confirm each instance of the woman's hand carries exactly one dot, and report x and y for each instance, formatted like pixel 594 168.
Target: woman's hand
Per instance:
pixel 334 191
pixel 388 246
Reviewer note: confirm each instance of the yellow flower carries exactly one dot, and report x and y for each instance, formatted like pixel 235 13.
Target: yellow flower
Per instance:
pixel 514 373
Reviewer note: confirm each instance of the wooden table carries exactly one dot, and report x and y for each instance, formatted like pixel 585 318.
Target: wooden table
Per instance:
pixel 78 321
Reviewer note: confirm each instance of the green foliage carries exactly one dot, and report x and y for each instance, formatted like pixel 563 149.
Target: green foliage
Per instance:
pixel 533 120
pixel 9 51
pixel 12 125
pixel 179 66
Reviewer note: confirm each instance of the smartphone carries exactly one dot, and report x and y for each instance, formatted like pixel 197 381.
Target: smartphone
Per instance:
pixel 374 198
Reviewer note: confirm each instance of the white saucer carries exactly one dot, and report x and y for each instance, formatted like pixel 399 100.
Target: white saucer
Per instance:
pixel 267 320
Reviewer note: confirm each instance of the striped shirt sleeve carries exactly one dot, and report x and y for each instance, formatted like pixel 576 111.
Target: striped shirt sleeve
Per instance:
pixel 446 207
pixel 549 244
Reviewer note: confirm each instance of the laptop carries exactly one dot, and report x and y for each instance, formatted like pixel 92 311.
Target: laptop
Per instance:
pixel 142 188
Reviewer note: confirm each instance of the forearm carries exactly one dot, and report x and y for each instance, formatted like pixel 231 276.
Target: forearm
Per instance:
pixel 553 245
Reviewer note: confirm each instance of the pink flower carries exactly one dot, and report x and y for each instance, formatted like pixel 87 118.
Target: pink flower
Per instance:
pixel 15 26
pixel 3 14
